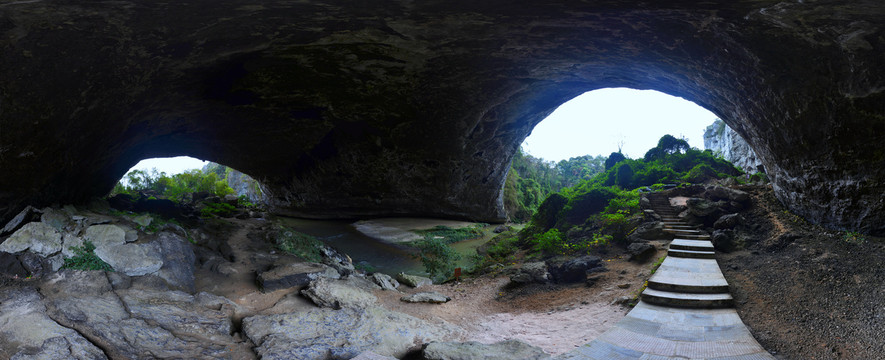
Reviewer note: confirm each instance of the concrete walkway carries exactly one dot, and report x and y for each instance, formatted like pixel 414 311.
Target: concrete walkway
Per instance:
pixel 686 312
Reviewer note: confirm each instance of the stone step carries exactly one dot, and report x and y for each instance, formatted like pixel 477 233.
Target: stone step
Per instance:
pixel 680 227
pixel 689 275
pixel 692 245
pixel 693 237
pixel 695 301
pixel 692 254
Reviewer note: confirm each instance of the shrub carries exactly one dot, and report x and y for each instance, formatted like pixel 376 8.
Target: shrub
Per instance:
pixel 437 257
pixel 85 259
pixel 220 209
pixel 550 242
pixel 299 244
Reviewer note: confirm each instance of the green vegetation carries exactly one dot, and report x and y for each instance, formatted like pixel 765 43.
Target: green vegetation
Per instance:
pixel 85 259
pixel 604 209
pixel 854 237
pixel 450 235
pixel 437 257
pixel 176 187
pixel 530 180
pixel 217 209
pixel 299 244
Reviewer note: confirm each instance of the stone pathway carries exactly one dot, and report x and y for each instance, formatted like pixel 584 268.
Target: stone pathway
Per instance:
pixel 685 313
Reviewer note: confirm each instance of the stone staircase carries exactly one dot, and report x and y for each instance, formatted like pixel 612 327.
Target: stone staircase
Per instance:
pixel 686 312
pixel 689 277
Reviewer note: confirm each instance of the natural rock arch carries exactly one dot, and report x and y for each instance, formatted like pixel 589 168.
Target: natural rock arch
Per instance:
pixel 397 107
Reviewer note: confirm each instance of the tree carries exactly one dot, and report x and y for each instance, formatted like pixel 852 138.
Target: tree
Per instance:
pixel 613 159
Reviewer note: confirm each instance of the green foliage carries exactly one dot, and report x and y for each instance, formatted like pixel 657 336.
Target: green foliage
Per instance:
pixel 437 257
pixel 176 187
pixel 85 259
pixel 607 203
pixel 503 249
pixel 531 180
pixel 550 242
pixel 299 244
pixel 854 237
pixel 759 177
pixel 217 209
pixel 614 159
pixel 655 265
pixel 450 235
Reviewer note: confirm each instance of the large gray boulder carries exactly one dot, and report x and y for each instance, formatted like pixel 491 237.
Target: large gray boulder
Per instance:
pixel 27 332
pixel 138 323
pixel 131 259
pixel 430 297
pixel 532 272
pixel 575 270
pixel 105 235
pixel 324 333
pixel 504 350
pixel 384 281
pixel 335 294
pixel 414 281
pixel 37 237
pixel 294 275
pixel 58 219
pixel 179 261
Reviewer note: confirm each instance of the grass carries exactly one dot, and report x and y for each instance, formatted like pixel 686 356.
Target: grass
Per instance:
pixel 299 244
pixel 654 267
pixel 85 259
pixel 854 237
pixel 451 235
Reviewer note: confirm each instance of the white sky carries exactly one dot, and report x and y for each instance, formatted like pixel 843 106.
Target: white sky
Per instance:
pixel 173 165
pixel 594 123
pixel 590 124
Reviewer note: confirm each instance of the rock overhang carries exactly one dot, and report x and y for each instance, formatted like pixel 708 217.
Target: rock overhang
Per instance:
pixel 394 107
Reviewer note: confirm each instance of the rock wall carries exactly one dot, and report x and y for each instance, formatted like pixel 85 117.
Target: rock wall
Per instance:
pixel 721 139
pixel 395 107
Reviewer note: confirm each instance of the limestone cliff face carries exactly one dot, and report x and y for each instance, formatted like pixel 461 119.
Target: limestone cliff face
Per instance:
pixel 246 186
pixel 721 139
pixel 394 107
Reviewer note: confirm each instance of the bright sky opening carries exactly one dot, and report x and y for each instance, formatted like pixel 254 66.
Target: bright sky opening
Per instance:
pixel 171 166
pixel 597 121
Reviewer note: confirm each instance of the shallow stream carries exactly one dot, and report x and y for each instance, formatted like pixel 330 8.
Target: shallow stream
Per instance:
pixel 373 254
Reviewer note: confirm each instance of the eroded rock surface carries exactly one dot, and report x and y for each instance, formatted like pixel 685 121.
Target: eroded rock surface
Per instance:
pixel 401 107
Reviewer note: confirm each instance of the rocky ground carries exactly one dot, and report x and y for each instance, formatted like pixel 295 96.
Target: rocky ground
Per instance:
pixel 804 291
pixel 220 288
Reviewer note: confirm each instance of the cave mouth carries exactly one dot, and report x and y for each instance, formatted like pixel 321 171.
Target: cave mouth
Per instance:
pixel 177 178
pixel 625 120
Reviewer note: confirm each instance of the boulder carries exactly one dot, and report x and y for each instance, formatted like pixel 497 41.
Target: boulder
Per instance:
pixel 641 252
pixel 652 231
pixel 57 219
pixel 179 261
pixel 294 275
pixel 725 240
pixel 26 215
pixel 431 297
pixel 717 193
pixel 131 259
pixel 104 235
pixel 37 237
pixel 11 267
pixel 701 207
pixel 128 324
pixel 143 220
pixel 340 262
pixel 384 281
pixel 504 350
pixel 575 270
pixel 29 333
pixel 727 221
pixel 70 241
pixel 532 272
pixel 499 229
pixel 36 265
pixel 413 280
pixel 325 333
pixel 336 294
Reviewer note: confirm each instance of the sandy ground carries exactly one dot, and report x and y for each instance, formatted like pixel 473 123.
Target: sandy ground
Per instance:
pixel 398 230
pixel 556 318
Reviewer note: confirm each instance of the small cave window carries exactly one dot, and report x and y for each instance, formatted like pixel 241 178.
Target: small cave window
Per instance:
pixel 183 178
